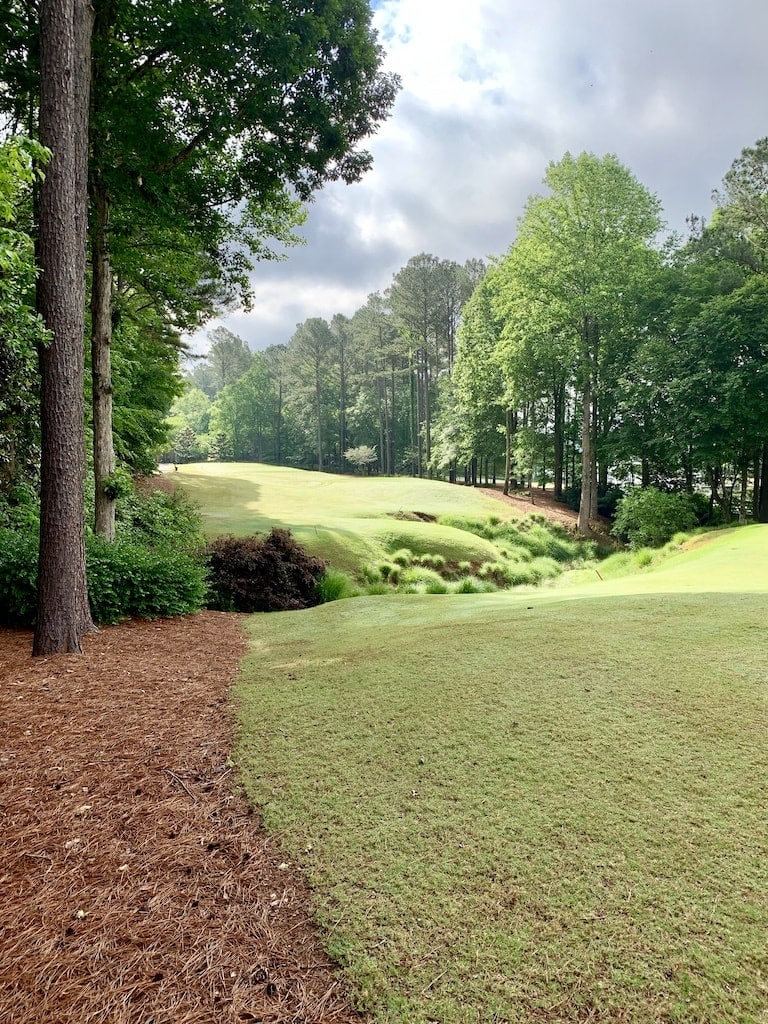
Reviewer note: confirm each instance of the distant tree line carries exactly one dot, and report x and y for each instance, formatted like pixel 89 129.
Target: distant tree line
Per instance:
pixel 594 353
pixel 372 380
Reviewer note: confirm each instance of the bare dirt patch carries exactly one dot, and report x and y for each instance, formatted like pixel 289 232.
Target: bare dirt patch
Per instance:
pixel 536 501
pixel 136 884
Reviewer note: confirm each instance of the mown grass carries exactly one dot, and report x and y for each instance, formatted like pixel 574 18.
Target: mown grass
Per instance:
pixel 359 523
pixel 537 807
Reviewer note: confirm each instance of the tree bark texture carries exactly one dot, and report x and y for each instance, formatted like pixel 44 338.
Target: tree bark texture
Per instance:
pixel 101 364
pixel 63 614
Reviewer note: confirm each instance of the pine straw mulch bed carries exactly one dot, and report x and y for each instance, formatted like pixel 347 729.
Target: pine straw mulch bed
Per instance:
pixel 136 887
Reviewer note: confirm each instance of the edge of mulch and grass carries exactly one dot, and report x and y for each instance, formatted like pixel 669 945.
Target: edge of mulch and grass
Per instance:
pixel 137 884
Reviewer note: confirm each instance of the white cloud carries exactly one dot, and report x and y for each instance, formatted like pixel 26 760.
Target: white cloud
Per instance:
pixel 493 90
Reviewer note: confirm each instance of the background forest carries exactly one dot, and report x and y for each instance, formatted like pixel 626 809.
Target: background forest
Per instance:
pixel 593 349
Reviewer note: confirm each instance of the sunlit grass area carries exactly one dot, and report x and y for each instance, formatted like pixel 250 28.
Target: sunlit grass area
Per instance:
pixel 546 806
pixel 350 521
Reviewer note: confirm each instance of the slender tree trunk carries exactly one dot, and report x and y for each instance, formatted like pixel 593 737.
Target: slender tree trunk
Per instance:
pixel 762 504
pixel 319 414
pixel 392 424
pixel 587 439
pixel 63 614
pixel 558 439
pixel 508 428
pixel 279 424
pixel 342 401
pixel 381 388
pixel 743 496
pixel 101 364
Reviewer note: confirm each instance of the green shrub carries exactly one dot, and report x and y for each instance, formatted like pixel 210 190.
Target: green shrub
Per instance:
pixel 160 517
pixel 479 527
pixel 419 577
pixel 403 557
pixel 467 585
pixel 126 579
pixel 334 585
pixel 649 518
pixel 20 508
pixel 376 589
pixel 18 576
pixel 370 574
pixel 262 574
pixel 437 587
pixel 499 573
pixel 643 558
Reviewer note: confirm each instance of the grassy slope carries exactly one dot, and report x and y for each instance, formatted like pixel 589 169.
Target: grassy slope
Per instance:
pixel 538 807
pixel 345 519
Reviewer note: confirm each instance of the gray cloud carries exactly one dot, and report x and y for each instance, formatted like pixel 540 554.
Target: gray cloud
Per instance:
pixel 674 89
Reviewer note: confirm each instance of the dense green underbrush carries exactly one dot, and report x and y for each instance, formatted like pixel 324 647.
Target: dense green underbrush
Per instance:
pixel 151 570
pixel 530 552
pixel 534 535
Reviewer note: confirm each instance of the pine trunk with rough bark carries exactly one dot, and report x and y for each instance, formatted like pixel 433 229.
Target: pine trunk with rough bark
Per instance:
pixel 63 614
pixel 101 366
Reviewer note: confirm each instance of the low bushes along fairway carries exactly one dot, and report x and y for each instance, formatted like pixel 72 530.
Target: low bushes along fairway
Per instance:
pixel 541 807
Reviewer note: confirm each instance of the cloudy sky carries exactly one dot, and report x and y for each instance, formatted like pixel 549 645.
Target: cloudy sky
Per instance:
pixel 493 90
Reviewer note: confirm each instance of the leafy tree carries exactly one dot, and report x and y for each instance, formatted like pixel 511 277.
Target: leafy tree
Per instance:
pixel 649 517
pixel 362 457
pixel 21 328
pixel 426 297
pixel 574 274
pixel 192 409
pixel 478 388
pixel 202 121
pixel 310 353
pixel 228 357
pixel 722 387
pixel 245 412
pixel 186 447
pixel 382 368
pixel 743 200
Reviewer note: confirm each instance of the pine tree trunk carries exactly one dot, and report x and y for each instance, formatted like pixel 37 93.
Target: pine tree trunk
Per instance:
pixel 101 365
pixel 342 406
pixel 762 504
pixel 558 440
pixel 319 413
pixel 63 614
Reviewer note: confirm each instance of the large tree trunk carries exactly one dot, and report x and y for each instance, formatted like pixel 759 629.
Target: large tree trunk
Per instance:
pixel 63 614
pixel 101 365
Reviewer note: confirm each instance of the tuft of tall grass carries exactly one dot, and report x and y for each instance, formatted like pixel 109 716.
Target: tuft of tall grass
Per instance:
pixel 335 585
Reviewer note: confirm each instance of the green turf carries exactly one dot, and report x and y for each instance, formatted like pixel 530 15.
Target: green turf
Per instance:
pixel 543 807
pixel 347 520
